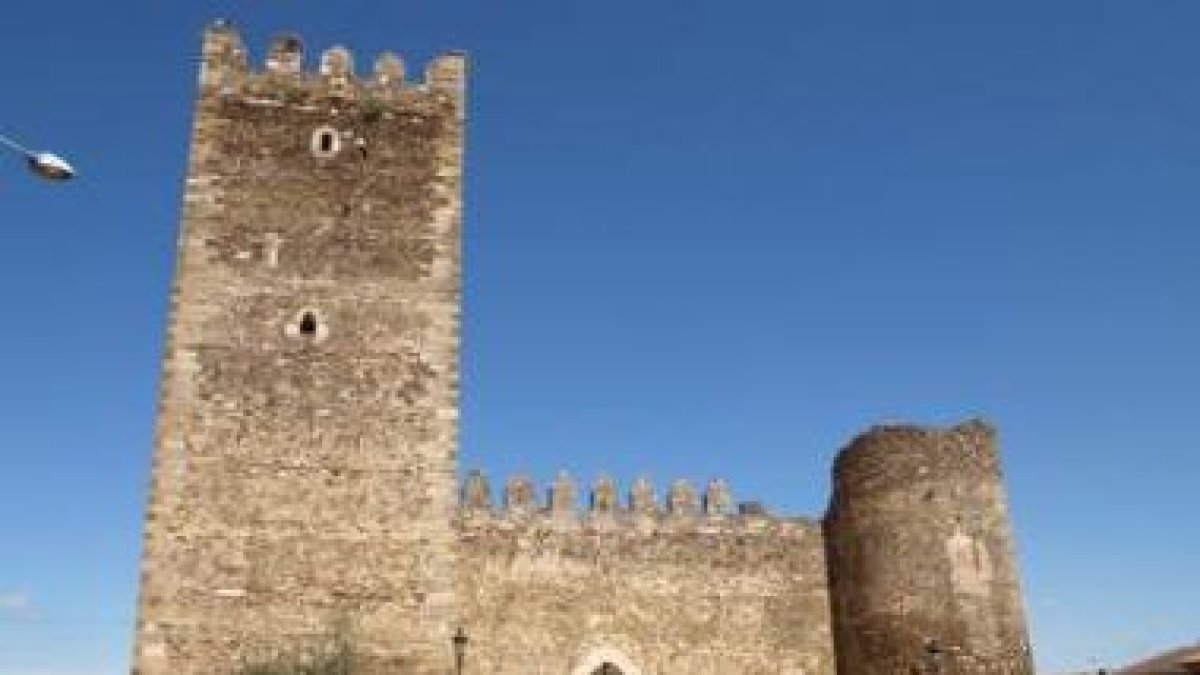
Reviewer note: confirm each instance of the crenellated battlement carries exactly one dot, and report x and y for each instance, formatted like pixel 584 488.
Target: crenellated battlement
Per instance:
pixel 681 507
pixel 677 582
pixel 227 68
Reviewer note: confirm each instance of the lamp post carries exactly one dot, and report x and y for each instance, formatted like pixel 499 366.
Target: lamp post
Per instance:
pixel 933 656
pixel 44 164
pixel 460 641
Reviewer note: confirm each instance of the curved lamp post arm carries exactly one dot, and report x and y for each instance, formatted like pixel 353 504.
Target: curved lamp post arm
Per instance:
pixel 5 140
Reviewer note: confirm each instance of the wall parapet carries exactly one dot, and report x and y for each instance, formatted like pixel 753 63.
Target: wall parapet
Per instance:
pixel 682 508
pixel 226 66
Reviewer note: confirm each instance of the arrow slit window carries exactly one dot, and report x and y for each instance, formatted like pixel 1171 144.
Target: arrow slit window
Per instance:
pixel 326 142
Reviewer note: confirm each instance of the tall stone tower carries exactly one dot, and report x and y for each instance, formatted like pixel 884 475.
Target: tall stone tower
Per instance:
pixel 921 567
pixel 304 465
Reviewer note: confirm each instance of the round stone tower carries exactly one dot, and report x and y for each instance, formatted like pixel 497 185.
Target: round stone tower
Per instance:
pixel 921 565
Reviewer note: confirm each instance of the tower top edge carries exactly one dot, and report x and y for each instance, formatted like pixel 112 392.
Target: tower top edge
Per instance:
pixel 899 456
pixel 225 61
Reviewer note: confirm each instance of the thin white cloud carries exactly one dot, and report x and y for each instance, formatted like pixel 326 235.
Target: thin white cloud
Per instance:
pixel 1048 601
pixel 15 602
pixel 17 606
pixel 56 672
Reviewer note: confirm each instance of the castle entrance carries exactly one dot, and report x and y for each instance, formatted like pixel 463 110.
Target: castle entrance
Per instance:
pixel 604 661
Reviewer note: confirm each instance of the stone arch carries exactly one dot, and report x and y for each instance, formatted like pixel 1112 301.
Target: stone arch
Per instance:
pixel 596 657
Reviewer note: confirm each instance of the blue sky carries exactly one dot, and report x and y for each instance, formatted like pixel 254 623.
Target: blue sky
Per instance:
pixel 703 238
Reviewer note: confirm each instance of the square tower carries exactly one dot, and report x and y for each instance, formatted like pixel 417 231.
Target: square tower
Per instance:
pixel 304 467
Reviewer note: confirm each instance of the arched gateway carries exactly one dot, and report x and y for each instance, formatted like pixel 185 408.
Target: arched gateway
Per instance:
pixel 605 661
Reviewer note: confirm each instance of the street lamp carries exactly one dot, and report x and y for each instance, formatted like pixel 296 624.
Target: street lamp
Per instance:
pixel 460 641
pixel 933 655
pixel 45 164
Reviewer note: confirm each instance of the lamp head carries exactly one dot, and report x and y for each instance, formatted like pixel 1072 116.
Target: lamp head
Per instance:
pixel 460 640
pixel 51 166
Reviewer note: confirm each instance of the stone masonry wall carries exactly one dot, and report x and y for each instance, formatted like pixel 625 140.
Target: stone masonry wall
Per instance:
pixel 682 589
pixel 304 469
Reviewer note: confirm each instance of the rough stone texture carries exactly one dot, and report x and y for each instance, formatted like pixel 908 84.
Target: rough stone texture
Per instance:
pixel 920 555
pixel 665 592
pixel 304 473
pixel 304 468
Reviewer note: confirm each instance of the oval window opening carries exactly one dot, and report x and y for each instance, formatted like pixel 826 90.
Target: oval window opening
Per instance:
pixel 308 324
pixel 326 142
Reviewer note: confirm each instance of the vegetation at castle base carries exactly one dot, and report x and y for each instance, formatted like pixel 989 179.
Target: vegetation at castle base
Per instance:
pixel 336 657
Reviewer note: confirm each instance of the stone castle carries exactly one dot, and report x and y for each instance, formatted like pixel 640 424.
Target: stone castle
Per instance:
pixel 305 474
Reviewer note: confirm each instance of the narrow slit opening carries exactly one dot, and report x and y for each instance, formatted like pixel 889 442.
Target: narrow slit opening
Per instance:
pixel 308 324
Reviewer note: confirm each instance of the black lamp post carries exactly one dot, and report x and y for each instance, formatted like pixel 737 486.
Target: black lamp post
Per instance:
pixel 460 641
pixel 933 656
